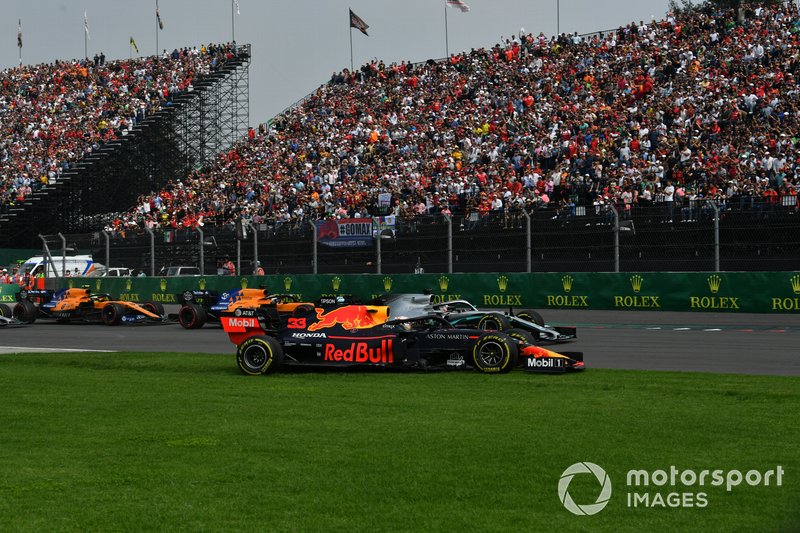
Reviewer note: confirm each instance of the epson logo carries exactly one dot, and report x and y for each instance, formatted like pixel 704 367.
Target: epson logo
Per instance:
pixel 545 363
pixel 309 335
pixel 241 322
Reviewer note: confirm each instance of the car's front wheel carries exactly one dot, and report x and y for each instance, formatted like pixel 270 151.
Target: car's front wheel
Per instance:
pixel 259 355
pixel 494 353
pixel 111 314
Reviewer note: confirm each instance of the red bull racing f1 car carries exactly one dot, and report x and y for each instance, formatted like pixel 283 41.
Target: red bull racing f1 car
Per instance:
pixel 359 336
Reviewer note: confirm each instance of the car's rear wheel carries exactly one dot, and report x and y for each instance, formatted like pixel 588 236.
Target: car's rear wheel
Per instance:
pixel 192 316
pixel 493 322
pixel 25 312
pixel 111 314
pixel 531 316
pixel 157 308
pixel 494 353
pixel 259 355
pixel 5 311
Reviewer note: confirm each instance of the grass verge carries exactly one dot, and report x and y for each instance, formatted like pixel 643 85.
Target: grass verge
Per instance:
pixel 158 441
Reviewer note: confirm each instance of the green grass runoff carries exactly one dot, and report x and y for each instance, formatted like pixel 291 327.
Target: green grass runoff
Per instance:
pixel 172 442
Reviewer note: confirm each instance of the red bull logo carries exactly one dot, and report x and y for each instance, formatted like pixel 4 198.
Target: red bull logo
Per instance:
pixel 361 352
pixel 349 316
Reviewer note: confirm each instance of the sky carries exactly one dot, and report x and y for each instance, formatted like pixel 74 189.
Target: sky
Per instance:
pixel 296 44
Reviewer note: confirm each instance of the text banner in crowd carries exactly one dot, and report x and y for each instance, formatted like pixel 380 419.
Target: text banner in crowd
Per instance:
pixel 724 292
pixel 345 232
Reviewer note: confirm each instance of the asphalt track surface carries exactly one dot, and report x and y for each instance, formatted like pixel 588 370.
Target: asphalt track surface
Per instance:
pixel 694 342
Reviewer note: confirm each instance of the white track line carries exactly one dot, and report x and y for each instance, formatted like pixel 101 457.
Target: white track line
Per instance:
pixel 20 349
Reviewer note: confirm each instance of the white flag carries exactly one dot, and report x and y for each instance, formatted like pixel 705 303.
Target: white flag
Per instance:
pixel 237 7
pixel 86 25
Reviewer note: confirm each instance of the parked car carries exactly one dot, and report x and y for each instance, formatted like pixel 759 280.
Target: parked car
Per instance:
pixel 179 271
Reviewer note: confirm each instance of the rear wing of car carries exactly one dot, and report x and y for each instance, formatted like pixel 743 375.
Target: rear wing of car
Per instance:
pixel 198 296
pixel 37 295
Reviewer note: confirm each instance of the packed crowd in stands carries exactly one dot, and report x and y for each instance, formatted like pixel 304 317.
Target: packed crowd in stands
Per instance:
pixel 702 104
pixel 52 115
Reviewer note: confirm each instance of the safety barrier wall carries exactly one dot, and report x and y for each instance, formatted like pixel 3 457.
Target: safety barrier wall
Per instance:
pixel 728 292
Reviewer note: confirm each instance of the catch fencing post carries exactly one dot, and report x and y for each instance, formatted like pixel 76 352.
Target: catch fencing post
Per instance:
pixel 716 234
pixel 449 243
pixel 108 250
pixel 616 237
pixel 527 240
pixel 254 229
pixel 378 248
pixel 314 244
pixel 152 251
pixel 202 251
pixel 63 255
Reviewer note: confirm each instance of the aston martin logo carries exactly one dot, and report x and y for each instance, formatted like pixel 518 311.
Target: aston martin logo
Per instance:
pixel 387 284
pixel 795 283
pixel 336 282
pixel 244 283
pixel 287 284
pixel 636 282
pixel 163 285
pixel 202 284
pixel 566 282
pixel 444 282
pixel 98 285
pixel 502 283
pixel 714 282
pixel 128 284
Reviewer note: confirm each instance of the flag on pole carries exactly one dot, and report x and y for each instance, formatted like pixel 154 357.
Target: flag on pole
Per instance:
pixel 133 43
pixel 237 7
pixel 19 34
pixel 158 18
pixel 459 4
pixel 86 25
pixel 358 23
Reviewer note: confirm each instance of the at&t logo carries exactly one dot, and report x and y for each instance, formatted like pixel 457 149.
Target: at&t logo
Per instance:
pixel 566 497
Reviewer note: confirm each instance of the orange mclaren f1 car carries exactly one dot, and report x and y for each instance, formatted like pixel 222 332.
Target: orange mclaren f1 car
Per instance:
pixel 65 305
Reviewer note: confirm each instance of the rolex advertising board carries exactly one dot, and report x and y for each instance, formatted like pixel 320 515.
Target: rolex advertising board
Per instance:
pixel 717 292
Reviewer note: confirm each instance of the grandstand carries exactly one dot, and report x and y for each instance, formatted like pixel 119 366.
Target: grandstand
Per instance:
pixel 657 117
pixel 121 128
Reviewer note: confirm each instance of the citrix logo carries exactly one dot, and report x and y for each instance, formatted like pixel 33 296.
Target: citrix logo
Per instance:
pixel 566 498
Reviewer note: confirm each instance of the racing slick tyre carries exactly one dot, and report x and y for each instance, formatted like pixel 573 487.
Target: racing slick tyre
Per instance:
pixel 493 322
pixel 259 355
pixel 302 310
pixel 112 314
pixel 192 316
pixel 5 311
pixel 531 316
pixel 25 312
pixel 494 353
pixel 157 308
pixel 521 335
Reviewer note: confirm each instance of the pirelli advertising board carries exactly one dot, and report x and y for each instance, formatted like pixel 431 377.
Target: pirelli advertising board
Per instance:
pixel 720 292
